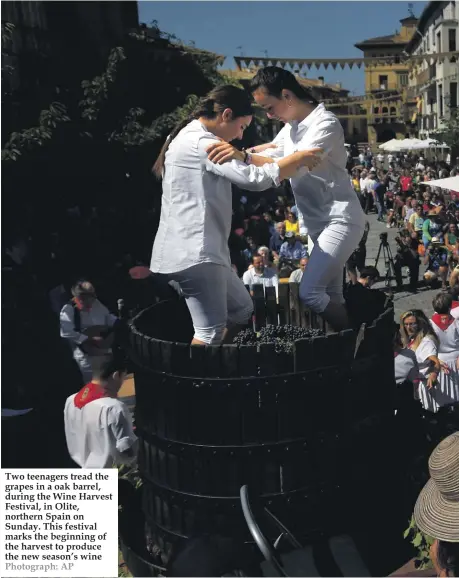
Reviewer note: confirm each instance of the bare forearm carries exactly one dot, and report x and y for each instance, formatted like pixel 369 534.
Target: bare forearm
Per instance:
pixel 259 161
pixel 260 148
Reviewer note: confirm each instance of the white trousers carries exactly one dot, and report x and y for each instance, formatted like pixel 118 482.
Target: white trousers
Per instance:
pixel 216 298
pixel 322 280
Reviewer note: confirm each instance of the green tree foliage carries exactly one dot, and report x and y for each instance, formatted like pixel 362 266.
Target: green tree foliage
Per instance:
pixel 450 134
pixel 106 93
pixel 25 140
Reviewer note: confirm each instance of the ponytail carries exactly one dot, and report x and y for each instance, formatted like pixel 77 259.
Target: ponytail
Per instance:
pixel 158 167
pixel 220 98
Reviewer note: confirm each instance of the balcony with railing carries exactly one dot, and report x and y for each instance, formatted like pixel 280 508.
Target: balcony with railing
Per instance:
pixel 426 76
pixel 385 86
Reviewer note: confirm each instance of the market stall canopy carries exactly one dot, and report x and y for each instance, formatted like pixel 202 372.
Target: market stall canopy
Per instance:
pixel 430 143
pixel 451 183
pixel 387 144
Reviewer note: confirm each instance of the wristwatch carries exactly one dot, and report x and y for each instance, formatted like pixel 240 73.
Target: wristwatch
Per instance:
pixel 247 157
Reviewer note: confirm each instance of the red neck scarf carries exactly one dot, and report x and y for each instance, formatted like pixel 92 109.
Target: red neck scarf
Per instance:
pixel 79 305
pixel 442 321
pixel 88 393
pixel 455 304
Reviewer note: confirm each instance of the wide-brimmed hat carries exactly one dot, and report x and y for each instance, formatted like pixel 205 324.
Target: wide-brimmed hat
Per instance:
pixel 437 509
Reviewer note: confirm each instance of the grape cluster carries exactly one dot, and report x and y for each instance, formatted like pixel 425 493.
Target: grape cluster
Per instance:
pixel 246 337
pixel 283 336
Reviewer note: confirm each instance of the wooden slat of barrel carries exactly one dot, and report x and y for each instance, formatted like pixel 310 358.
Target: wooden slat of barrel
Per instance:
pixel 303 354
pixel 166 355
pixel 155 354
pixel 294 304
pixel 230 361
pixel 248 360
pixel 303 313
pixel 284 307
pixel 213 360
pixel 259 306
pixel 321 352
pixel 197 361
pixel 180 359
pixel 271 306
pixel 267 359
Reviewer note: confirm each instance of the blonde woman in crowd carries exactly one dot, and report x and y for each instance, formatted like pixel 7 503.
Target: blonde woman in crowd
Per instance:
pixel 418 335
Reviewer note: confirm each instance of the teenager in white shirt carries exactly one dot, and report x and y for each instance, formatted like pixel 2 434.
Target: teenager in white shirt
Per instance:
pixel 191 245
pixel 330 208
pixel 98 426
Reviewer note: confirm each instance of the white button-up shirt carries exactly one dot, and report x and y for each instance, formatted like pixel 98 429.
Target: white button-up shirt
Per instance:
pixel 196 205
pixel 268 278
pixel 98 433
pixel 325 194
pixel 97 315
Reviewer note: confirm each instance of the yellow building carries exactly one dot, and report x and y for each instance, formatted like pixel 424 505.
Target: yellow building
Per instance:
pixel 386 84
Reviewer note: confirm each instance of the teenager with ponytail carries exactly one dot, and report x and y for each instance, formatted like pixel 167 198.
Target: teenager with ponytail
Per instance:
pixel 329 206
pixel 191 245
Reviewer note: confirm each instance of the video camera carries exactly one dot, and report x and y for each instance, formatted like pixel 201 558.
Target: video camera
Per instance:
pixel 383 239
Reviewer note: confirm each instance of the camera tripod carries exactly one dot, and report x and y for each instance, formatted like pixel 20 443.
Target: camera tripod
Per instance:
pixel 384 248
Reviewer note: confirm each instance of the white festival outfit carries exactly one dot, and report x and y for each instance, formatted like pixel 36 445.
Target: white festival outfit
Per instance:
pixel 425 349
pixel 98 433
pixel 191 245
pixel 97 315
pixel 325 197
pixel 446 392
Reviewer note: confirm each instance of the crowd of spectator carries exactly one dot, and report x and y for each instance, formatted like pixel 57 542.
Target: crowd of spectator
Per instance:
pixel 396 186
pixel 268 246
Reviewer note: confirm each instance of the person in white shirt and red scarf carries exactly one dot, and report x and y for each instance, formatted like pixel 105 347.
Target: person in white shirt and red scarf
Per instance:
pixel 446 328
pixel 324 195
pixel 191 245
pixel 98 426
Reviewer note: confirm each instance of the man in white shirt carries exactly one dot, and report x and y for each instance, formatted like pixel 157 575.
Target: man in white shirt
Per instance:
pixel 98 426
pixel 420 165
pixel 297 275
pixel 76 320
pixel 260 275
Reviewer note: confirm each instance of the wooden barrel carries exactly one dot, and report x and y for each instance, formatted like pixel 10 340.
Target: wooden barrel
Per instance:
pixel 303 431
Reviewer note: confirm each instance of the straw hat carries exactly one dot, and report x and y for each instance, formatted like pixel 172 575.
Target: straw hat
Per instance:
pixel 437 508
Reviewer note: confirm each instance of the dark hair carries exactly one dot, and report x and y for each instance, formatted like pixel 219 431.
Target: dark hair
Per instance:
pixel 275 79
pixel 218 99
pixel 448 557
pixel 369 272
pixel 442 303
pixel 109 365
pixel 81 287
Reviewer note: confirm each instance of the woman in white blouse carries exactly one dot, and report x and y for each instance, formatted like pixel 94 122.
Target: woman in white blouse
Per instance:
pixel 418 336
pixel 191 245
pixel 331 210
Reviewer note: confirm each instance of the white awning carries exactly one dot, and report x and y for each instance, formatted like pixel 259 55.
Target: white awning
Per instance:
pixel 451 183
